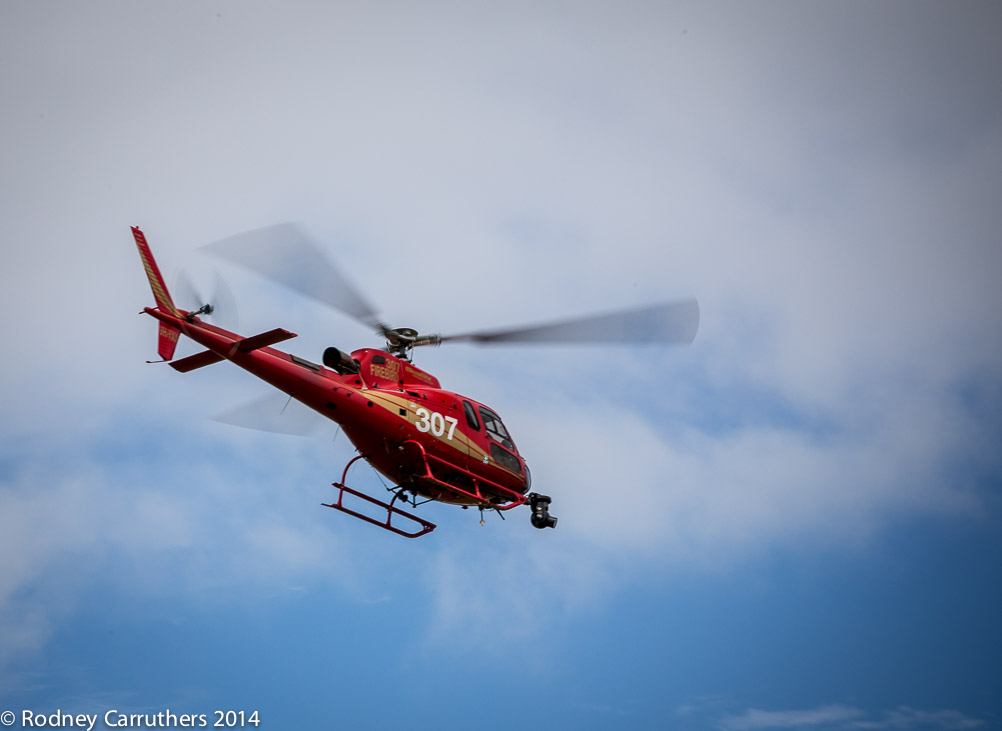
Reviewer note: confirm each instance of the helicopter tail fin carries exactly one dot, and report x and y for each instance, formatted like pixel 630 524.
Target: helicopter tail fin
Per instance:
pixel 169 334
pixel 160 293
pixel 167 340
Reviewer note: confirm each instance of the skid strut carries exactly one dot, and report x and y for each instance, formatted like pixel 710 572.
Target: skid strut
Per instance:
pixel 422 526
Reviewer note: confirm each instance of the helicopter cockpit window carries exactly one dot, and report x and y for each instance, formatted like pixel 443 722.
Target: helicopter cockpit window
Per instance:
pixel 471 415
pixel 495 429
pixel 505 458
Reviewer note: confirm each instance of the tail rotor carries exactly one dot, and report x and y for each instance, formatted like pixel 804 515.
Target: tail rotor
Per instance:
pixel 220 305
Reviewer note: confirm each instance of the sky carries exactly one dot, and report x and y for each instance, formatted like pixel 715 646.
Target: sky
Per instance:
pixel 792 523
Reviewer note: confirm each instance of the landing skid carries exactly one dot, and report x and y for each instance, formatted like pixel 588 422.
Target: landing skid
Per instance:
pixel 423 526
pixel 415 526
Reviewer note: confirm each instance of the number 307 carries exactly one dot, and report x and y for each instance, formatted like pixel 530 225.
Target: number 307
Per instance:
pixel 434 422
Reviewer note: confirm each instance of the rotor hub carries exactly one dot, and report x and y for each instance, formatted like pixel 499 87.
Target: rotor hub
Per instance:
pixel 400 340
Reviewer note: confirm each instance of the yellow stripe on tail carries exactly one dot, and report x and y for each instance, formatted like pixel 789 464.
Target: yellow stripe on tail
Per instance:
pixel 160 293
pixel 168 333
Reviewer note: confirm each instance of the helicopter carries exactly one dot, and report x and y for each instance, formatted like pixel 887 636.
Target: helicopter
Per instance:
pixel 435 445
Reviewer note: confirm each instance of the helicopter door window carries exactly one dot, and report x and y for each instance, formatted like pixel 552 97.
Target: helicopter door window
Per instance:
pixel 471 415
pixel 495 429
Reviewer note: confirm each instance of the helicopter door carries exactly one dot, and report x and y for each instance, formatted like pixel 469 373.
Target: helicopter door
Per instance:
pixel 471 427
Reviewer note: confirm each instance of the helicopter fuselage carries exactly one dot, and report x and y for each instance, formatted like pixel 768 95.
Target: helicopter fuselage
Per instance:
pixel 435 443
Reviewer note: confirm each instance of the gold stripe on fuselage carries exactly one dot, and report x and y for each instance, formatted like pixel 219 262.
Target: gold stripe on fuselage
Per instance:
pixel 393 402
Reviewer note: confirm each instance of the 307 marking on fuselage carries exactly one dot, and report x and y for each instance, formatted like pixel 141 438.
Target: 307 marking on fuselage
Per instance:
pixel 434 422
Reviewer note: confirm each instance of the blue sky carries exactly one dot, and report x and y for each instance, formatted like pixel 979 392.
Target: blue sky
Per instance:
pixel 793 523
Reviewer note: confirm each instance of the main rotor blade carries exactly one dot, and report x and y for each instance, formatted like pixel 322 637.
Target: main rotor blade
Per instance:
pixel 274 412
pixel 286 255
pixel 672 322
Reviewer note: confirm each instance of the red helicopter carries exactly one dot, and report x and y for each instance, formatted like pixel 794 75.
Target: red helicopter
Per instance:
pixel 434 444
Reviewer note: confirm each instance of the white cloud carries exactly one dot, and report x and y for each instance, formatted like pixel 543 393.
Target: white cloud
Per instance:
pixel 838 716
pixel 825 716
pixel 155 527
pixel 905 717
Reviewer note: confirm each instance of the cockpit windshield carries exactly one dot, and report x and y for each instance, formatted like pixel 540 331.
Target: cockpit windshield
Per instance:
pixel 495 429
